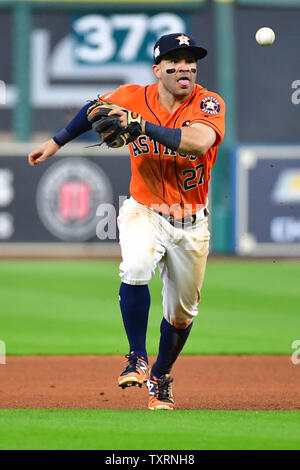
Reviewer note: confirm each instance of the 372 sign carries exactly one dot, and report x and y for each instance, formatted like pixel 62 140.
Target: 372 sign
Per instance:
pixel 121 37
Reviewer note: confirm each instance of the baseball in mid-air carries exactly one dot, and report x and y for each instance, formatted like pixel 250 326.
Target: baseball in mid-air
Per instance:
pixel 265 36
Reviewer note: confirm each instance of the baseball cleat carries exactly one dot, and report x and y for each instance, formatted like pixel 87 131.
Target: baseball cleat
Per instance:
pixel 160 391
pixel 135 373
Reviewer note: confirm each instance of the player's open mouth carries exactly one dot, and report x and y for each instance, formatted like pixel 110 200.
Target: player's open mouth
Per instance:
pixel 184 82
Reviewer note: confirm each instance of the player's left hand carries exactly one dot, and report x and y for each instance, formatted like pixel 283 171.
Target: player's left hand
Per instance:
pixel 122 115
pixel 127 117
pixel 115 126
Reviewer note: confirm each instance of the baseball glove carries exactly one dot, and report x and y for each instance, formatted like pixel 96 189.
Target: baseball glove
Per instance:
pixel 109 128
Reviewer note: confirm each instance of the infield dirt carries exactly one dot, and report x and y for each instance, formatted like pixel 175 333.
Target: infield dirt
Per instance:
pixel 200 382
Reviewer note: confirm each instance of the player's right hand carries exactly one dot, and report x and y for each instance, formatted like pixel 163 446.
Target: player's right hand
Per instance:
pixel 42 152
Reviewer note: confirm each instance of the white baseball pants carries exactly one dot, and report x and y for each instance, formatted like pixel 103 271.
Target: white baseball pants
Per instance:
pixel 147 240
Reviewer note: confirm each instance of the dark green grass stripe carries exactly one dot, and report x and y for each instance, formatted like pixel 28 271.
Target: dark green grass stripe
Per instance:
pixel 72 308
pixel 138 430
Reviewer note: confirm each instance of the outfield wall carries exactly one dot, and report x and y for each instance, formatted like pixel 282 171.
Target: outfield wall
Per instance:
pixel 59 54
pixel 266 200
pixel 66 207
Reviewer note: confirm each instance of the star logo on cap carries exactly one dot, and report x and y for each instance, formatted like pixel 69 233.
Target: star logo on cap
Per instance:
pixel 183 40
pixel 156 52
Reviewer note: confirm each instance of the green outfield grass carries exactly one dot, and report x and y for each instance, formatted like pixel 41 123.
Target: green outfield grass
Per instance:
pixel 138 430
pixel 72 308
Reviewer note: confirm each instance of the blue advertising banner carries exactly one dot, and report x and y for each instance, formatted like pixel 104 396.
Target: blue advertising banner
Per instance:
pixel 266 209
pixel 72 198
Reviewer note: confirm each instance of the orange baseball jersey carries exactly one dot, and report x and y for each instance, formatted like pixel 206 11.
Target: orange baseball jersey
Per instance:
pixel 160 176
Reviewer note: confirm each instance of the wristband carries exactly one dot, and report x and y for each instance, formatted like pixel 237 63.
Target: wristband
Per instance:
pixel 62 137
pixel 77 126
pixel 170 138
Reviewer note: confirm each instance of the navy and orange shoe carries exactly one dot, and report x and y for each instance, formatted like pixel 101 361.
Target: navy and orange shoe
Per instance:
pixel 160 393
pixel 136 371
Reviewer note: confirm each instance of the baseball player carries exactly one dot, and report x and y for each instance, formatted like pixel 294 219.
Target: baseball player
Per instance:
pixel 173 129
